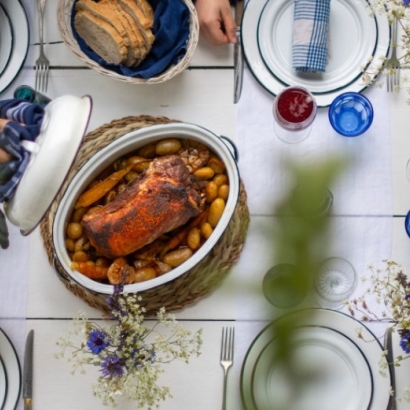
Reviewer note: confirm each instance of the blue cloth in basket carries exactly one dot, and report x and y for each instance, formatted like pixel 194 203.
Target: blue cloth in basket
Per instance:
pixel 310 35
pixel 171 30
pixel 19 112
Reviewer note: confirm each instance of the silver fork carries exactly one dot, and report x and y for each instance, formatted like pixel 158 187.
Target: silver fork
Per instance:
pixel 42 63
pixel 393 64
pixel 228 336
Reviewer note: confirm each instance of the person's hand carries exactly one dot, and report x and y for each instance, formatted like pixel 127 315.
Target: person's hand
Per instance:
pixel 4 156
pixel 216 21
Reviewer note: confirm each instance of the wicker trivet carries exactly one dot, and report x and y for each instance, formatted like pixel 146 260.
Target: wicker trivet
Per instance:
pixel 183 290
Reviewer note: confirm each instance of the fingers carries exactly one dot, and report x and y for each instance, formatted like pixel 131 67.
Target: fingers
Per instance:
pixel 216 21
pixel 214 34
pixel 229 25
pixel 3 122
pixel 4 156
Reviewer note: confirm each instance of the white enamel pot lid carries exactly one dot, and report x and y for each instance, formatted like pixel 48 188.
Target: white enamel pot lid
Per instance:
pixel 124 145
pixel 51 156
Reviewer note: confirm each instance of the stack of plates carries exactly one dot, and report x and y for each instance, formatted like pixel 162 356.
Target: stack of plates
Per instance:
pixel 341 370
pixel 10 374
pixel 354 37
pixel 14 40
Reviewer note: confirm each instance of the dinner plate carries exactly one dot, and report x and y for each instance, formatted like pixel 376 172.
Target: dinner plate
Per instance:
pixel 12 367
pixel 340 373
pixel 6 39
pixel 278 48
pixel 348 49
pixel 21 38
pixel 3 384
pixel 343 370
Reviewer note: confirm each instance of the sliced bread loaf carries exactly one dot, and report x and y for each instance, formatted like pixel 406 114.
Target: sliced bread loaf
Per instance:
pixel 146 8
pixel 104 10
pixel 108 11
pixel 145 24
pixel 138 46
pixel 101 36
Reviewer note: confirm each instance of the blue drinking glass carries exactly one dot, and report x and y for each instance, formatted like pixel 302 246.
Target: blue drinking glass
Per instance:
pixel 351 114
pixel 407 223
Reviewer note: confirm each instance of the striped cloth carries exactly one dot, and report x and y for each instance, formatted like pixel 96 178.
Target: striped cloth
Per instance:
pixel 310 35
pixel 25 123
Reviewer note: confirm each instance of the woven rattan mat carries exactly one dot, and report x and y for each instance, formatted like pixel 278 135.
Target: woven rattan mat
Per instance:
pixel 183 290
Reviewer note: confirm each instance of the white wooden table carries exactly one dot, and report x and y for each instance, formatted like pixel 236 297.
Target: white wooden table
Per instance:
pixel 203 94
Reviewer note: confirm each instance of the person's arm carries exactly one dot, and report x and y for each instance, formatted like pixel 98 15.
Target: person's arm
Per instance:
pixel 216 21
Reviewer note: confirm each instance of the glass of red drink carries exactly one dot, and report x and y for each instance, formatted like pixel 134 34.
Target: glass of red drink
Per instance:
pixel 294 110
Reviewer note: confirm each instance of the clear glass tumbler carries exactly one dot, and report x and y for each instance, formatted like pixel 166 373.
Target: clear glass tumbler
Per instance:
pixel 334 283
pixel 294 110
pixel 282 287
pixel 312 205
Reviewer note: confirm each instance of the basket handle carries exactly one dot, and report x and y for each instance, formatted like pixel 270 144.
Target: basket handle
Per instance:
pixel 231 146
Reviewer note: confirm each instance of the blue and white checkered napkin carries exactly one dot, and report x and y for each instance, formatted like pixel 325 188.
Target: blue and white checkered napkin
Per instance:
pixel 25 123
pixel 310 35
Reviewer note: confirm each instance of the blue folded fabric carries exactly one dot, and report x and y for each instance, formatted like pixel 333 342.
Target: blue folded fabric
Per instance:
pixel 171 30
pixel 25 124
pixel 310 35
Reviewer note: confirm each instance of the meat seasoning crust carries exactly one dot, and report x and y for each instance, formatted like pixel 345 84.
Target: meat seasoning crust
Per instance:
pixel 162 199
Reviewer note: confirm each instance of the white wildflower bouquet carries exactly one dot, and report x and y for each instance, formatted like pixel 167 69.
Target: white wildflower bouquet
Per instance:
pixel 389 287
pixel 129 355
pixel 394 10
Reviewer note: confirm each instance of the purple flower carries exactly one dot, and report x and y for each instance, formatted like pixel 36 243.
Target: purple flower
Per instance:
pixel 113 301
pixel 405 342
pixel 406 3
pixel 97 341
pixel 112 367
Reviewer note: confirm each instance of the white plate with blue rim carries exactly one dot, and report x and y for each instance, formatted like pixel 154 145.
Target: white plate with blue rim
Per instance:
pixel 343 369
pixel 13 371
pixel 6 39
pixel 21 39
pixel 3 384
pixel 267 43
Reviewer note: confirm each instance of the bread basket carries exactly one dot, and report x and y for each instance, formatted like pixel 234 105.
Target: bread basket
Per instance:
pixel 194 278
pixel 64 11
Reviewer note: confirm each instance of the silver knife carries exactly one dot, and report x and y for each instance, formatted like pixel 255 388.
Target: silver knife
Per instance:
pixel 388 345
pixel 28 372
pixel 238 57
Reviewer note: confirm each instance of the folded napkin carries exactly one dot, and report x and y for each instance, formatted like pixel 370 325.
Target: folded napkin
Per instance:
pixel 171 30
pixel 25 123
pixel 310 35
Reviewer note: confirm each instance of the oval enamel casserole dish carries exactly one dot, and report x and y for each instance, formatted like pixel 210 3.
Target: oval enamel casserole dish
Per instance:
pixel 119 148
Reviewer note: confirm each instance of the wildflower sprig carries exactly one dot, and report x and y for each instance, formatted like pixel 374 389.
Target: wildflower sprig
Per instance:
pixel 128 355
pixel 389 287
pixel 394 10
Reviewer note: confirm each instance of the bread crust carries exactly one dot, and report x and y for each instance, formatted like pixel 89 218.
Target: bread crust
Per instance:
pixel 125 22
pixel 101 36
pixel 145 24
pixel 138 46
